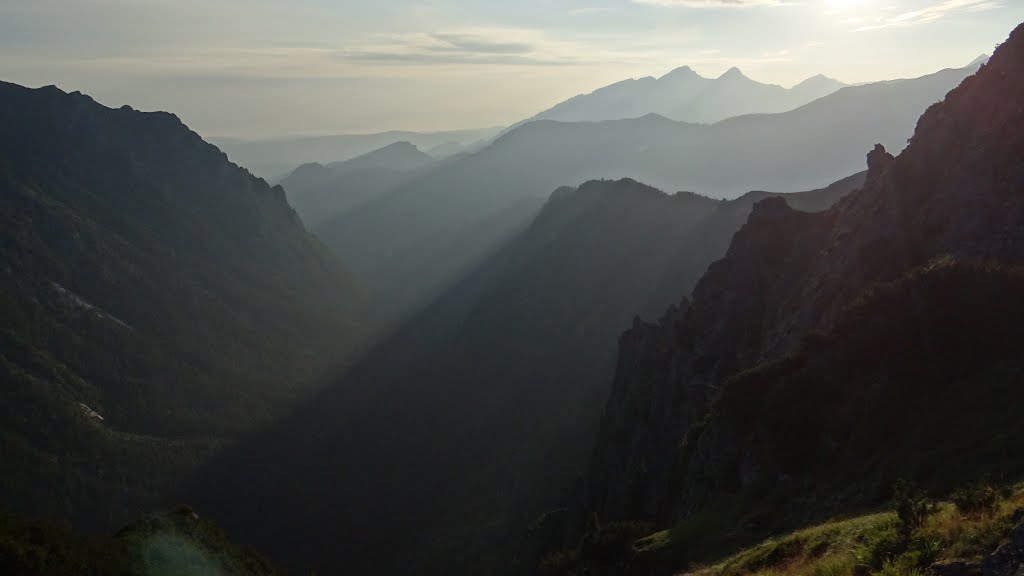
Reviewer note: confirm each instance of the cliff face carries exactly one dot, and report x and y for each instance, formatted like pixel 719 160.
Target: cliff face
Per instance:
pixel 956 190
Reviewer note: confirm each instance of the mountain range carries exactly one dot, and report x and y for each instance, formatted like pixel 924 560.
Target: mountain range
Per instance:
pixel 412 242
pixel 685 96
pixel 274 158
pixel 434 377
pixel 829 355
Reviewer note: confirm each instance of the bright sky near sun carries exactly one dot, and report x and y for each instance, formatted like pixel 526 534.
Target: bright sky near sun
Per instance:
pixel 262 68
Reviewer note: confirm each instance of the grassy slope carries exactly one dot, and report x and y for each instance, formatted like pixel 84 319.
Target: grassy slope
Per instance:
pixel 868 544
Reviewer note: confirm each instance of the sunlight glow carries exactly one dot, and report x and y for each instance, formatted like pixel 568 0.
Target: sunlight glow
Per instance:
pixel 838 5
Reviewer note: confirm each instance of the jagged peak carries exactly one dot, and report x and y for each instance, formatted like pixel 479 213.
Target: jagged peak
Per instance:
pixel 770 206
pixel 682 72
pixel 980 60
pixel 879 160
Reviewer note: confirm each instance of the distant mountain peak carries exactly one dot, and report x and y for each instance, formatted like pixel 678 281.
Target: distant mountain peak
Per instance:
pixel 400 155
pixel 980 60
pixel 401 145
pixel 818 78
pixel 733 73
pixel 681 72
pixel 820 81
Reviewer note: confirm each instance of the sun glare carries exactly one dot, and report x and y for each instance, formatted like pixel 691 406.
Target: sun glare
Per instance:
pixel 837 5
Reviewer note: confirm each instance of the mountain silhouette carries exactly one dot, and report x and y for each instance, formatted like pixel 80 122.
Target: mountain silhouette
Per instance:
pixel 830 354
pixel 322 193
pixel 410 244
pixel 479 412
pixel 155 301
pixel 685 96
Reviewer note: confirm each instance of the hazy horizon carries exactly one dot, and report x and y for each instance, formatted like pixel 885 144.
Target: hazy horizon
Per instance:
pixel 262 69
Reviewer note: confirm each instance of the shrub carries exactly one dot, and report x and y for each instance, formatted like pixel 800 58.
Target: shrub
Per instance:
pixel 912 507
pixel 976 499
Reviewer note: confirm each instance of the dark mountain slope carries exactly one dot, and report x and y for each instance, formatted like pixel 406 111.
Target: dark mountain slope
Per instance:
pixel 321 193
pixel 393 243
pixel 474 419
pixel 901 353
pixel 154 298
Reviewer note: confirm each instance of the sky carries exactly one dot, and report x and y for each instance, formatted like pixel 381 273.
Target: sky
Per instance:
pixel 261 68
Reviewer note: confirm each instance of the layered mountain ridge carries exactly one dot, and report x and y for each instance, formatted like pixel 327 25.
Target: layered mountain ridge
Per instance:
pixel 500 382
pixel 275 158
pixel 323 193
pixel 685 96
pixel 454 216
pixel 830 320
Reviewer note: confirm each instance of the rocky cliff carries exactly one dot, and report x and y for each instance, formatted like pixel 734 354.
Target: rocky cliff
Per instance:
pixel 668 447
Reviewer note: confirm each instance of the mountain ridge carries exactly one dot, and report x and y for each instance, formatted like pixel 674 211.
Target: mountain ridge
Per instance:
pixel 812 318
pixel 500 380
pixel 156 300
pixel 322 193
pixel 684 95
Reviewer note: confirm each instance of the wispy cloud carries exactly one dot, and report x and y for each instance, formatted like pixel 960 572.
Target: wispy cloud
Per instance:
pixel 715 3
pixel 929 13
pixel 486 45
pixel 480 45
pixel 591 10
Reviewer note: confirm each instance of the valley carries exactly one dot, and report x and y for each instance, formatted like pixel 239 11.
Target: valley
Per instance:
pixel 687 324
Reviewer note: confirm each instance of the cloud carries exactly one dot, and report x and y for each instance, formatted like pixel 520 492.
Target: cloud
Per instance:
pixel 715 3
pixel 929 13
pixel 487 45
pixel 478 44
pixel 473 45
pixel 591 10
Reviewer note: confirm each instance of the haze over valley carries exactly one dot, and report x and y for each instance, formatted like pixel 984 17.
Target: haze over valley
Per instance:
pixel 652 287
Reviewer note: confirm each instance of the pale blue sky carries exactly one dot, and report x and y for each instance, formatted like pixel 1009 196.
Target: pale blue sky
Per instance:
pixel 261 68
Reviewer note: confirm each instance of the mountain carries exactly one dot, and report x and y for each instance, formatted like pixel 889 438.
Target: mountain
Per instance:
pixel 413 242
pixel 685 96
pixel 322 193
pixel 400 156
pixel 447 150
pixel 273 158
pixel 983 59
pixel 476 416
pixel 155 301
pixel 830 354
pixel 179 542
